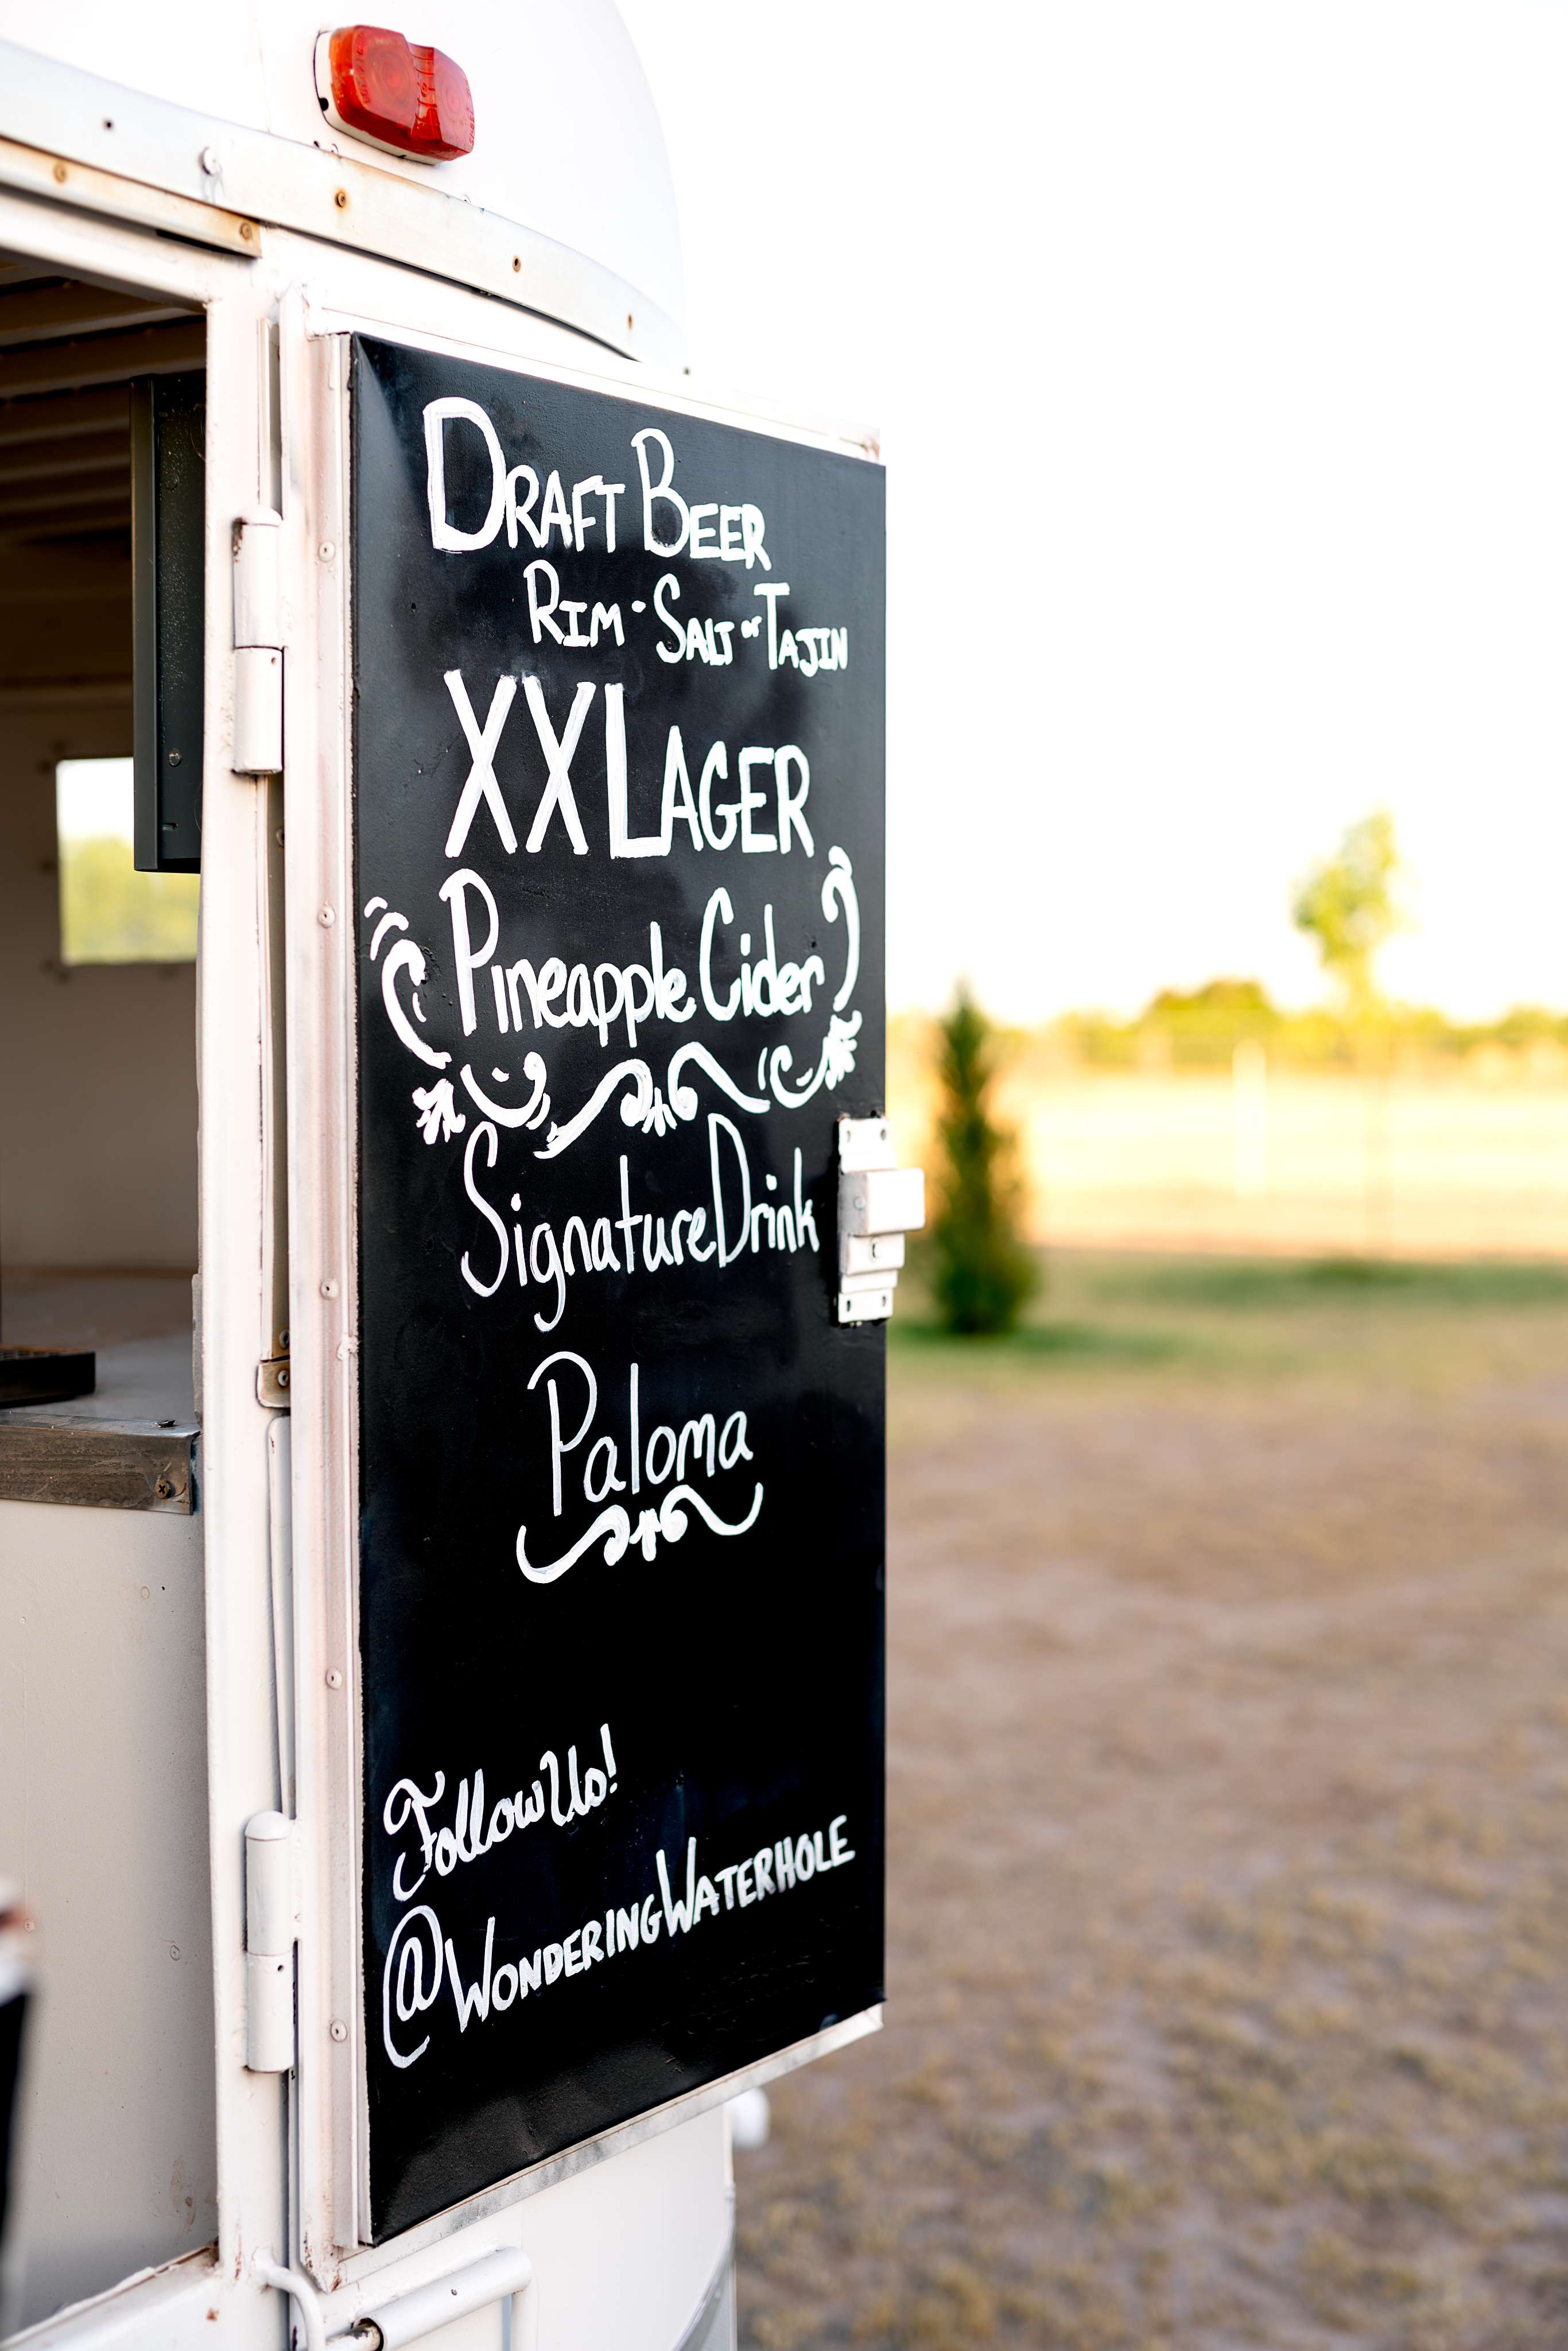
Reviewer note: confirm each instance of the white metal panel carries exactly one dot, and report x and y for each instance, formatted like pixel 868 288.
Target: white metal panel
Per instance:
pixel 103 1821
pixel 665 2208
pixel 624 2254
pixel 169 2308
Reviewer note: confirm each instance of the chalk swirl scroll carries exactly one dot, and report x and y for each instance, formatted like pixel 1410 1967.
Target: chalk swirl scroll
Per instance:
pixel 653 1109
pixel 669 1522
pixel 658 1110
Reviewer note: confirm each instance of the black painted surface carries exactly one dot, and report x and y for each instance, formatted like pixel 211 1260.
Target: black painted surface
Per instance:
pixel 168 554
pixel 740 1675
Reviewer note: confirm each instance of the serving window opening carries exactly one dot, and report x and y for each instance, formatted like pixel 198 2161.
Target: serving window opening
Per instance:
pixel 110 912
pixel 101 418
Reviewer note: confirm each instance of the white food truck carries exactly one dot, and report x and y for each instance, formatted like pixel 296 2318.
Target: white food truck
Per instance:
pixel 521 1118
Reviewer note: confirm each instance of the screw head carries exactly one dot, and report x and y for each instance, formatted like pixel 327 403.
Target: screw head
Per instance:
pixel 283 1376
pixel 212 161
pixel 164 1489
pixel 326 918
pixel 174 758
pixel 334 1677
pixel 338 2029
pixel 341 200
pixel 326 550
pixel 328 1288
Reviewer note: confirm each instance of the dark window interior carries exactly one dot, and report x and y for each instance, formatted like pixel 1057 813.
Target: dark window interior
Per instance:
pixel 98 1081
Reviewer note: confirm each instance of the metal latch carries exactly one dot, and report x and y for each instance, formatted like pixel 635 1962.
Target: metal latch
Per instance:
pixel 271 1930
pixel 879 1202
pixel 504 2276
pixel 258 645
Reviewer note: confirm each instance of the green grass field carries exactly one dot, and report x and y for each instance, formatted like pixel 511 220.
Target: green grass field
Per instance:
pixel 1216 1320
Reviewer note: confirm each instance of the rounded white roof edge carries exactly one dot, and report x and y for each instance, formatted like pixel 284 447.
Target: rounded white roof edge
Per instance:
pixel 567 139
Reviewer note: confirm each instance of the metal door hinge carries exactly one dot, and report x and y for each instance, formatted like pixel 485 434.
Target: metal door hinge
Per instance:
pixel 879 1202
pixel 271 1931
pixel 258 645
pixel 272 1382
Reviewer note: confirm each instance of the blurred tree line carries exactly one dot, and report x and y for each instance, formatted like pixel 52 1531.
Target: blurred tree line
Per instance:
pixel 983 1271
pixel 1349 906
pixel 111 913
pixel 1202 1029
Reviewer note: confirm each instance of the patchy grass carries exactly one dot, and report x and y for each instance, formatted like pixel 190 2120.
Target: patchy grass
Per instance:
pixel 1104 1342
pixel 1180 1328
pixel 1228 1896
pixel 1274 1285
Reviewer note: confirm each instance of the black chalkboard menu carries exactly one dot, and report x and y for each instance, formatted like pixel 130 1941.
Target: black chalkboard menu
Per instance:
pixel 618 792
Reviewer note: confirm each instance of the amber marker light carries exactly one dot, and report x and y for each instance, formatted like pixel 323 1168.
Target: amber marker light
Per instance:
pixel 399 95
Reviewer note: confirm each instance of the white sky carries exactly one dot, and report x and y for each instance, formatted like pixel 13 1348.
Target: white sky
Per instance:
pixel 1220 351
pixel 94 798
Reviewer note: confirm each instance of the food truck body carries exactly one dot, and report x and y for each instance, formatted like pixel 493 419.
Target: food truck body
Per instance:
pixel 233 297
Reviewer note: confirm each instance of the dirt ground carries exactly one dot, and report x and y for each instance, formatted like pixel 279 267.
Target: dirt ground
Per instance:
pixel 1228 1870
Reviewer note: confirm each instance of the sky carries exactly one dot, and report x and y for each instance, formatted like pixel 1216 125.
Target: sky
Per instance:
pixel 1219 352
pixel 93 798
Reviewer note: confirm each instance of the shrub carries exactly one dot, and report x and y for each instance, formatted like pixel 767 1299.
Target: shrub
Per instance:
pixel 983 1271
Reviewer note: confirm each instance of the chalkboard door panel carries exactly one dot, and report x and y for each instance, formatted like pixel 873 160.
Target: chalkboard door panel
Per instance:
pixel 619 843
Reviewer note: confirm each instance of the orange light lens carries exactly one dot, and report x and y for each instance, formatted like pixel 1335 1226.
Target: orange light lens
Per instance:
pixel 400 93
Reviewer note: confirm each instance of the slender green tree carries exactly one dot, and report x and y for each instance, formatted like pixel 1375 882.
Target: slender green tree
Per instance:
pixel 1347 907
pixel 982 1270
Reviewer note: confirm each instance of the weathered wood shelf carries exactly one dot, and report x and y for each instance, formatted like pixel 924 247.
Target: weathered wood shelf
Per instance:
pixel 131 1446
